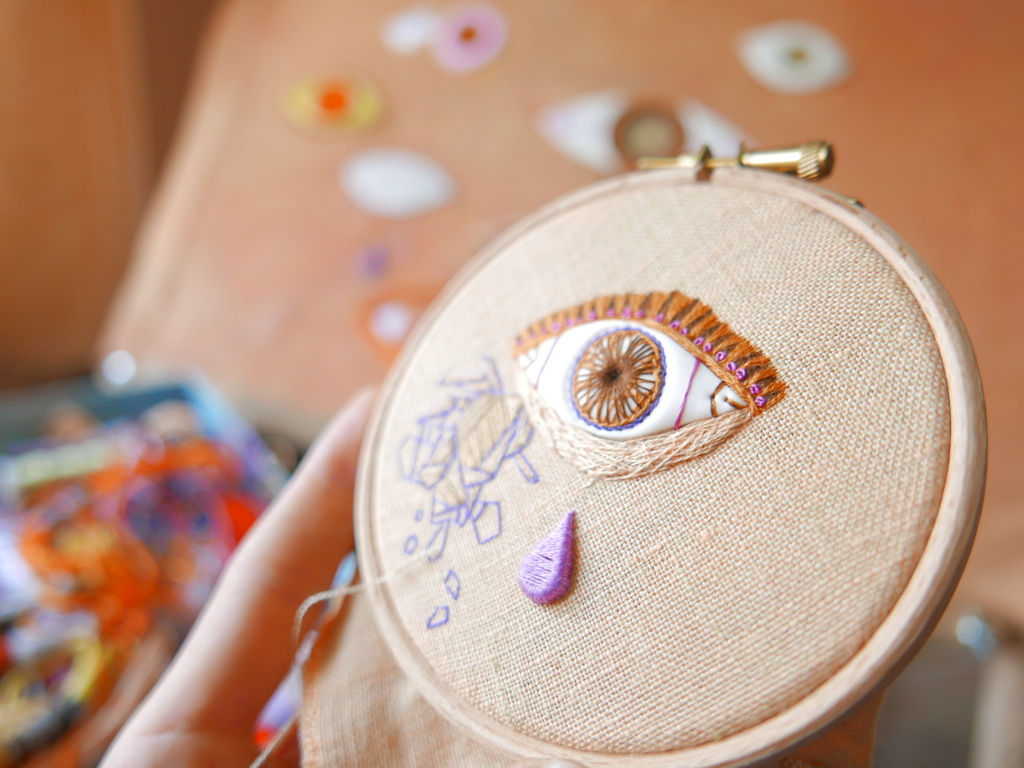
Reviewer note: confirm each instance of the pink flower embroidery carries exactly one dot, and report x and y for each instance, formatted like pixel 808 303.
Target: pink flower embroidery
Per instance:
pixel 468 39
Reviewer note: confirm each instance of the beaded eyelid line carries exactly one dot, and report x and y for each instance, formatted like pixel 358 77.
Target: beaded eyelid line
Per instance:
pixel 690 323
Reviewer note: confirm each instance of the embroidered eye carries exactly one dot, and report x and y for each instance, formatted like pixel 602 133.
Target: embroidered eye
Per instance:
pixel 606 131
pixel 648 131
pixel 659 366
pixel 793 57
pixel 469 39
pixel 335 106
pixel 396 183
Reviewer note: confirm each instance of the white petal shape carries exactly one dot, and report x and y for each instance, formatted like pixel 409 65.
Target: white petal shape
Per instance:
pixel 690 391
pixel 705 127
pixel 391 321
pixel 793 57
pixel 119 367
pixel 583 129
pixel 411 30
pixel 395 183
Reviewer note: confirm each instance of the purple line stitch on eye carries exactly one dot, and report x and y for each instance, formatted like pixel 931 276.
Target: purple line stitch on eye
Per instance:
pixel 546 360
pixel 686 395
pixel 546 573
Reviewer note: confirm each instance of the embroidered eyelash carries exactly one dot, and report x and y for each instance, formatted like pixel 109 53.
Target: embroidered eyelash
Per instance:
pixel 691 323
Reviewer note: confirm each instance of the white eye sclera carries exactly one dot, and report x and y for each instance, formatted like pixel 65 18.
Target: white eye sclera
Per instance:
pixel 621 379
pixel 793 57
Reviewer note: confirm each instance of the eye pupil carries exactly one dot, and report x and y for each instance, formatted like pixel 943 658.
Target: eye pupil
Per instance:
pixel 618 379
pixel 612 375
pixel 797 54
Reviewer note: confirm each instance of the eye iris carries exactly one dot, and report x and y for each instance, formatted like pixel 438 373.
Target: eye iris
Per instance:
pixel 618 379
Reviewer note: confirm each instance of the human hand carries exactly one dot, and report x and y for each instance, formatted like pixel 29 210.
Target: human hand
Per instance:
pixel 202 711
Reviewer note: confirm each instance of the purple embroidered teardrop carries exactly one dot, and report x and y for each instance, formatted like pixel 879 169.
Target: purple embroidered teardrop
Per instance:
pixel 546 574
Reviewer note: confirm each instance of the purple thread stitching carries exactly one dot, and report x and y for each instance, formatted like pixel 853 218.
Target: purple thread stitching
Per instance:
pixel 546 573
pixel 650 408
pixel 686 395
pixel 456 472
pixel 452 584
pixel 439 617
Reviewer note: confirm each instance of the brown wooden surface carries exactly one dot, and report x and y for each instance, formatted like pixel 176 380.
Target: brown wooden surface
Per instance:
pixel 74 165
pixel 91 93
pixel 245 267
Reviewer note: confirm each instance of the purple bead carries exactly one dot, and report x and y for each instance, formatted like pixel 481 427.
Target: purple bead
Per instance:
pixel 708 347
pixel 627 312
pixel 674 324
pixel 699 340
pixel 730 366
pixel 685 331
pixel 755 389
pixel 533 334
pixel 372 261
pixel 660 318
pixel 556 326
pixel 570 322
pixel 592 315
pixel 720 356
pixel 610 312
pixel 741 374
pixel 760 401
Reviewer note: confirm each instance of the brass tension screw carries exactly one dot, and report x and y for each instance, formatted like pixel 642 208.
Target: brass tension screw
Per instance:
pixel 811 160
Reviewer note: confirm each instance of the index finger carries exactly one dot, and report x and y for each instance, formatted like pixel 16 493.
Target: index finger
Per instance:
pixel 241 648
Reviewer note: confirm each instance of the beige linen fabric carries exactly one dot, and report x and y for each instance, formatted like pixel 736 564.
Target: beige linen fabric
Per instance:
pixel 359 710
pixel 711 596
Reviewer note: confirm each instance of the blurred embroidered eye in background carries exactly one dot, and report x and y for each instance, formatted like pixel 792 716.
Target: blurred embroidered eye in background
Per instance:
pixel 336 105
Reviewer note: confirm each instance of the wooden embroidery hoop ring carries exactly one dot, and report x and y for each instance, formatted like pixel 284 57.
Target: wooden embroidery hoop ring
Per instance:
pixel 914 613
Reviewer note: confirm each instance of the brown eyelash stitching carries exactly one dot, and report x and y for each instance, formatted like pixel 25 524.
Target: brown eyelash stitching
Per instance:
pixel 687 321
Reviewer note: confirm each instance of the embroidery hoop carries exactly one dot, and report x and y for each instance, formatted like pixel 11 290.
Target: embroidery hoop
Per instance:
pixel 914 612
